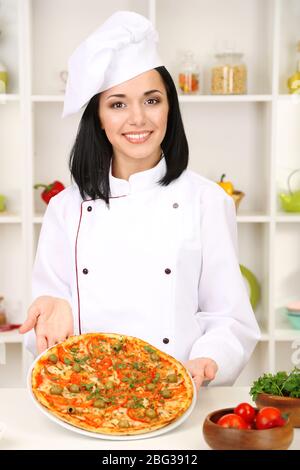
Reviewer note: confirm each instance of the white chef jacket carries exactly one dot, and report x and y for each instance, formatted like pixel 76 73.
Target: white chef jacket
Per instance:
pixel 161 264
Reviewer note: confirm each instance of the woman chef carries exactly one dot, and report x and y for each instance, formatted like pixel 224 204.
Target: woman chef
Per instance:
pixel 139 245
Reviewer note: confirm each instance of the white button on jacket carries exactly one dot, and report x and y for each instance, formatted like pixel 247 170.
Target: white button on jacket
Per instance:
pixel 160 264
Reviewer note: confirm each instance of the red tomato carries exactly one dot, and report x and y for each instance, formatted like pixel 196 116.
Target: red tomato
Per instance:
pixel 281 421
pixel 269 417
pixel 232 421
pixel 245 411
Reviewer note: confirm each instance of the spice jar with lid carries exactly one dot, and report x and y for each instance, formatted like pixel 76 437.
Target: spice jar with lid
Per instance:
pixel 189 76
pixel 229 74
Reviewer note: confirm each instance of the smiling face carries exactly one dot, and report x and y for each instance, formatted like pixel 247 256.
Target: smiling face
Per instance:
pixel 135 123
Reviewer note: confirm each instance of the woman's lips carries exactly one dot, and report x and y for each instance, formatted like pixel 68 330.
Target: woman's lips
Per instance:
pixel 138 140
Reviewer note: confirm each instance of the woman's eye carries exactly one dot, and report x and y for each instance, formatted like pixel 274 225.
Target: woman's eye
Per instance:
pixel 154 99
pixel 114 105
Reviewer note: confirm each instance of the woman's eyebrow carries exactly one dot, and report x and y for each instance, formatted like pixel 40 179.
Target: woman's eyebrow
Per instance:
pixel 120 95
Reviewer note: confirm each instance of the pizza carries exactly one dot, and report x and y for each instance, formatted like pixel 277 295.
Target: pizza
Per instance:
pixel 111 384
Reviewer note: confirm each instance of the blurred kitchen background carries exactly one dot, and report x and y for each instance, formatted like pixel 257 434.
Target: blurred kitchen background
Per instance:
pixel 236 65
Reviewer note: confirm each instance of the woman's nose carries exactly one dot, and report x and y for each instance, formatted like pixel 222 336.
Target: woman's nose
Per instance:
pixel 137 115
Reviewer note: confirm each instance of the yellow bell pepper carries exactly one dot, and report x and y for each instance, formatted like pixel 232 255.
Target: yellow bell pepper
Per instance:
pixel 226 185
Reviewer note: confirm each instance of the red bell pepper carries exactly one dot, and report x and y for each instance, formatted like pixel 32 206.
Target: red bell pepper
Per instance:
pixel 50 190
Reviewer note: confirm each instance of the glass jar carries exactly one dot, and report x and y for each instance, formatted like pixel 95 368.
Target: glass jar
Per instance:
pixel 2 311
pixel 229 74
pixel 3 78
pixel 3 74
pixel 189 76
pixel 294 80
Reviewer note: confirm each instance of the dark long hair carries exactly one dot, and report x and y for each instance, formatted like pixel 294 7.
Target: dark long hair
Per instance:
pixel 91 153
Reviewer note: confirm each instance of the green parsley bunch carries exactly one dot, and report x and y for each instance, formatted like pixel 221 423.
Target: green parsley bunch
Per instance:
pixel 281 384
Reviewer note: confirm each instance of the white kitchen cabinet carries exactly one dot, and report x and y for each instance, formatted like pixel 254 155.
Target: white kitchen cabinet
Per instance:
pixel 253 138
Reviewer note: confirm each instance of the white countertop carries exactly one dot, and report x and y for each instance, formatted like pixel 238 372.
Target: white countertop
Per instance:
pixel 28 428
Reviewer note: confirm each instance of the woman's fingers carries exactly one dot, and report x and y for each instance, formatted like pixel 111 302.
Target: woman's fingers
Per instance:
pixel 192 367
pixel 198 379
pixel 41 343
pixel 196 373
pixel 210 371
pixel 201 369
pixel 52 340
pixel 52 320
pixel 31 320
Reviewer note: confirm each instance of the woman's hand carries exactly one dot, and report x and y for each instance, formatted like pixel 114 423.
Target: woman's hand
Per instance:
pixel 52 319
pixel 201 369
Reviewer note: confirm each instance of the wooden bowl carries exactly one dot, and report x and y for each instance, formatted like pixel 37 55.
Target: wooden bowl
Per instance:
pixel 220 438
pixel 288 405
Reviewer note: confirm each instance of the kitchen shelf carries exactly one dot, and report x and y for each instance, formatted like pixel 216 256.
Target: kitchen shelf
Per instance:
pixel 38 218
pixel 265 337
pixel 286 334
pixel 11 337
pixel 294 98
pixel 288 218
pixel 253 138
pixel 47 98
pixel 8 97
pixel 6 218
pixel 254 217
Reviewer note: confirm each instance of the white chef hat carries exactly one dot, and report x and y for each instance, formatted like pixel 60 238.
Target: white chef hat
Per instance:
pixel 123 47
